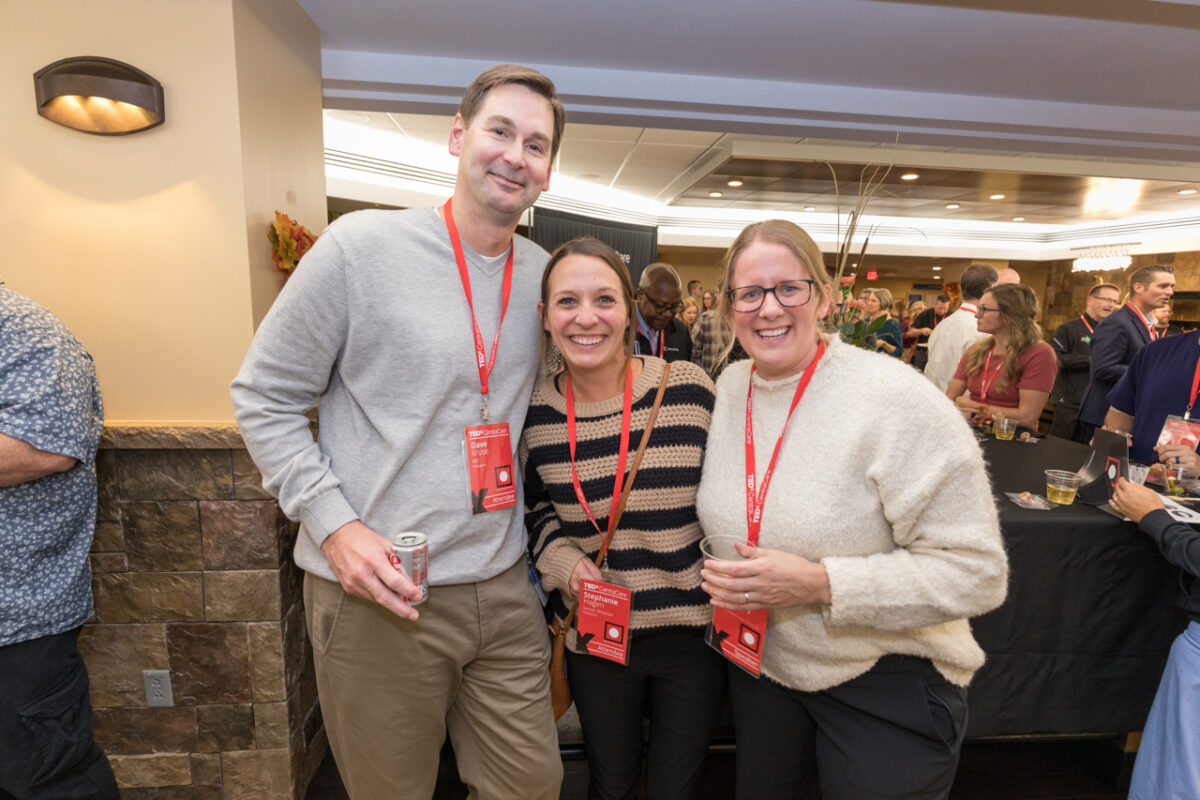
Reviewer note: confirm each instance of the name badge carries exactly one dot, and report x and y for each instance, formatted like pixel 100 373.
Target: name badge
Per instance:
pixel 490 467
pixel 603 620
pixel 739 636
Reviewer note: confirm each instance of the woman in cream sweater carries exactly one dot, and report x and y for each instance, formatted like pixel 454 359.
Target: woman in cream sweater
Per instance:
pixel 868 566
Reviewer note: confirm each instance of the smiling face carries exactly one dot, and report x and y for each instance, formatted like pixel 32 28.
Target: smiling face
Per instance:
pixel 585 313
pixel 782 340
pixel 504 153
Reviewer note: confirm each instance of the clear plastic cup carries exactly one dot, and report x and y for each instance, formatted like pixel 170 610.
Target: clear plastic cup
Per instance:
pixel 1006 428
pixel 1061 486
pixel 721 547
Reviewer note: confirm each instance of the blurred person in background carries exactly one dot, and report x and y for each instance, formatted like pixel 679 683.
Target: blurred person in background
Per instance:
pixel 957 332
pixel 924 324
pixel 889 338
pixel 906 326
pixel 1072 343
pixel 1010 369
pixel 1163 324
pixel 1122 334
pixel 657 330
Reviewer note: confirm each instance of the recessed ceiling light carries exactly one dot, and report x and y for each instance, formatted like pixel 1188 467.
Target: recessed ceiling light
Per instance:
pixel 952 206
pixel 855 264
pixel 995 197
pixel 909 176
pixel 1187 191
pixel 714 194
pixel 937 269
pixel 810 208
pixel 734 182
pixel 1018 219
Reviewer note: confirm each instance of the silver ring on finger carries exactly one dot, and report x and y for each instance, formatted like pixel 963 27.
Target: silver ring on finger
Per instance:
pixel 747 596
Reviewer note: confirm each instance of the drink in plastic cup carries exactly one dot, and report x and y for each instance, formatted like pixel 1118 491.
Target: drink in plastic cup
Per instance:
pixel 1138 474
pixel 1006 428
pixel 1061 486
pixel 721 548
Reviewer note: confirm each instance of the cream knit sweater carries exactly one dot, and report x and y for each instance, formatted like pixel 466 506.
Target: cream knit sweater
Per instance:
pixel 880 479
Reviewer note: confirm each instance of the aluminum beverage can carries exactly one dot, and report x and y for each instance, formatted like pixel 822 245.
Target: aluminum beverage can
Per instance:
pixel 410 552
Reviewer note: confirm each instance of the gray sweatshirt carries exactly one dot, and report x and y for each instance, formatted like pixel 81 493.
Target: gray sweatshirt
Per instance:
pixel 375 324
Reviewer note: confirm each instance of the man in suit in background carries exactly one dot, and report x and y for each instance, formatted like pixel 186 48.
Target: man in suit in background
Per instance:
pixel 659 333
pixel 1072 343
pixel 1119 336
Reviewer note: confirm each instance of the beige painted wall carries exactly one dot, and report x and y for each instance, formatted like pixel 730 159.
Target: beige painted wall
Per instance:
pixel 145 245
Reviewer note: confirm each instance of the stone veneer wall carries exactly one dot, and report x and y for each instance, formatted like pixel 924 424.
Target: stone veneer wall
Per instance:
pixel 193 574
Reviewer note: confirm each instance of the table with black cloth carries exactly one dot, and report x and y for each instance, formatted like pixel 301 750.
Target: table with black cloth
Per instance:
pixel 1080 644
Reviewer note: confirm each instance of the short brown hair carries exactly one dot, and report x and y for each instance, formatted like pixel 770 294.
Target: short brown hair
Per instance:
pixel 1144 275
pixel 1095 290
pixel 531 79
pixel 586 246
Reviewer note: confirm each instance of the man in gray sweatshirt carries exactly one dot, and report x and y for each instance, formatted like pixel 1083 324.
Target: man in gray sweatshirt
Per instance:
pixel 417 332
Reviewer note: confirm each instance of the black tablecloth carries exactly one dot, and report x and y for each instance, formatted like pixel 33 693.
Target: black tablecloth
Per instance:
pixel 1081 641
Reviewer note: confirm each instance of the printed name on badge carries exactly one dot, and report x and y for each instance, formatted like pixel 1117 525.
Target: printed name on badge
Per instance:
pixel 490 467
pixel 603 621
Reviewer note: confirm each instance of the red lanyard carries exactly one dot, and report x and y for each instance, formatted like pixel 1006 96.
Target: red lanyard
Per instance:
pixel 481 359
pixel 1187 414
pixel 1149 325
pixel 1086 324
pixel 754 501
pixel 937 320
pixel 984 382
pixel 622 453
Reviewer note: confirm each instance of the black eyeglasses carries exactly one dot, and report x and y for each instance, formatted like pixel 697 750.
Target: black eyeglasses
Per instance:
pixel 985 309
pixel 787 293
pixel 663 308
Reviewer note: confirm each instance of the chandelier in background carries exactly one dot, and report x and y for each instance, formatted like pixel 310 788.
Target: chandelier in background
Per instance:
pixel 1103 257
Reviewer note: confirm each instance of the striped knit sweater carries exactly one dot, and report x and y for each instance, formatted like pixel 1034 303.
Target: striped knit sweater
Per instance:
pixel 655 551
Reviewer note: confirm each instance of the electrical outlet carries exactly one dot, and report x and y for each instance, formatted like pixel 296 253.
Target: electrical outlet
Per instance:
pixel 158 687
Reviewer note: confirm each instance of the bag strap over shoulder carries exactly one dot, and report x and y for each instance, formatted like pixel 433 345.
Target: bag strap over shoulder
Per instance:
pixel 628 486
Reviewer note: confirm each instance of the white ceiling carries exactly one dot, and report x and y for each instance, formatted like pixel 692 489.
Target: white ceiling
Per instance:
pixel 659 95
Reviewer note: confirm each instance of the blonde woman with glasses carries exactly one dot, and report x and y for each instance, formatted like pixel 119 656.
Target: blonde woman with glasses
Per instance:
pixel 867 569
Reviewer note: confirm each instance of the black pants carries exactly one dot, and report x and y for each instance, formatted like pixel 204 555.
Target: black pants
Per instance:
pixel 46 745
pixel 1066 424
pixel 680 682
pixel 894 732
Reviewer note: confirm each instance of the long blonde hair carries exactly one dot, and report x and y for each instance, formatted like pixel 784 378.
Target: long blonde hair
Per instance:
pixel 1018 308
pixel 773 231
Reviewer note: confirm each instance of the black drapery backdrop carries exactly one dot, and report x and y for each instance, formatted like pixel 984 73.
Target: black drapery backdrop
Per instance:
pixel 637 244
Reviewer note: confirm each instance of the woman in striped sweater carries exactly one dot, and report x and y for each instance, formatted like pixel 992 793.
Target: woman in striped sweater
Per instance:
pixel 587 302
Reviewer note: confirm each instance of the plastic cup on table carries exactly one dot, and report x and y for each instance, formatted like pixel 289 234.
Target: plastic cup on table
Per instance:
pixel 1061 486
pixel 1138 474
pixel 1006 428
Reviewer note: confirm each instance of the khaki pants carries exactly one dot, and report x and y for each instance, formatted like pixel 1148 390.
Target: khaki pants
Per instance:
pixel 474 665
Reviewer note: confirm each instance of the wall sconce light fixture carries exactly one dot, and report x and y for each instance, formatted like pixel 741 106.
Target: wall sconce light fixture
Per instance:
pixel 99 95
